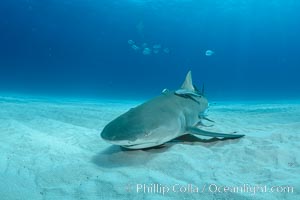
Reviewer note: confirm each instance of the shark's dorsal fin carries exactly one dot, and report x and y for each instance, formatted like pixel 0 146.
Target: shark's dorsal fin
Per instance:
pixel 188 82
pixel 187 89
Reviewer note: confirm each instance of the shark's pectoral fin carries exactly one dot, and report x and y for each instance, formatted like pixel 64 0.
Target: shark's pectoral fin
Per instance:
pixel 197 131
pixel 203 115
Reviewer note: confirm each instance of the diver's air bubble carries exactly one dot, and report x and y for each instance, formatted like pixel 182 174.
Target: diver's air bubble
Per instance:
pixel 147 51
pixel 209 53
pixel 131 42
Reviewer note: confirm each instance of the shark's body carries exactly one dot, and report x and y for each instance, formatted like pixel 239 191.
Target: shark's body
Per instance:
pixel 166 117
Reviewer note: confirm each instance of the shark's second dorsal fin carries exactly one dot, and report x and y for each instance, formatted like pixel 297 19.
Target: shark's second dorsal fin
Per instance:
pixel 188 82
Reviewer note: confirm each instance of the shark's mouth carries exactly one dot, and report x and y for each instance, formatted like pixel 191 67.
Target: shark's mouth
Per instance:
pixel 133 145
pixel 140 145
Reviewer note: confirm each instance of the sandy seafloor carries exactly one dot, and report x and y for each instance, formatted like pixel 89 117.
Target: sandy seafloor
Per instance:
pixel 51 149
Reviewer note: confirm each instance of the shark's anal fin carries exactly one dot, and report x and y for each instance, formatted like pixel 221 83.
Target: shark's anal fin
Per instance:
pixel 197 131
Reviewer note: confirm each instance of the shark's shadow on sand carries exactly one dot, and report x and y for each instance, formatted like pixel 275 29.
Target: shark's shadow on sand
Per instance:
pixel 115 156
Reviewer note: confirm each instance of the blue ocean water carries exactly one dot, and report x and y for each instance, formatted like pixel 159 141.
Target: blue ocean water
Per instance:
pixel 85 47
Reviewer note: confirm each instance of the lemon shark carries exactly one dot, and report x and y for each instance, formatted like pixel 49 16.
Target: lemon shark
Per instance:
pixel 164 118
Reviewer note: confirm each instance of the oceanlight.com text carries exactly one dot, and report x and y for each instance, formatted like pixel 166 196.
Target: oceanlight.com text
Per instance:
pixel 163 189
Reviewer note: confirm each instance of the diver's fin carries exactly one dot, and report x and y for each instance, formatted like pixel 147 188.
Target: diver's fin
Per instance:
pixel 197 131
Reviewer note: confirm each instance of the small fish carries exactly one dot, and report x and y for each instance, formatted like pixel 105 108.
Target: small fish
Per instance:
pixel 130 42
pixel 156 51
pixel 144 45
pixel 166 50
pixel 147 51
pixel 156 46
pixel 209 52
pixel 134 47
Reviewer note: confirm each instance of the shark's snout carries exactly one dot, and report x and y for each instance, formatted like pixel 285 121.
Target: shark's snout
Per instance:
pixel 114 140
pixel 120 140
pixel 114 137
pixel 125 143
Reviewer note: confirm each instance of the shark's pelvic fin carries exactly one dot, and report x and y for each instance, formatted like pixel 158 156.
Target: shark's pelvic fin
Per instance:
pixel 197 131
pixel 207 119
pixel 200 123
